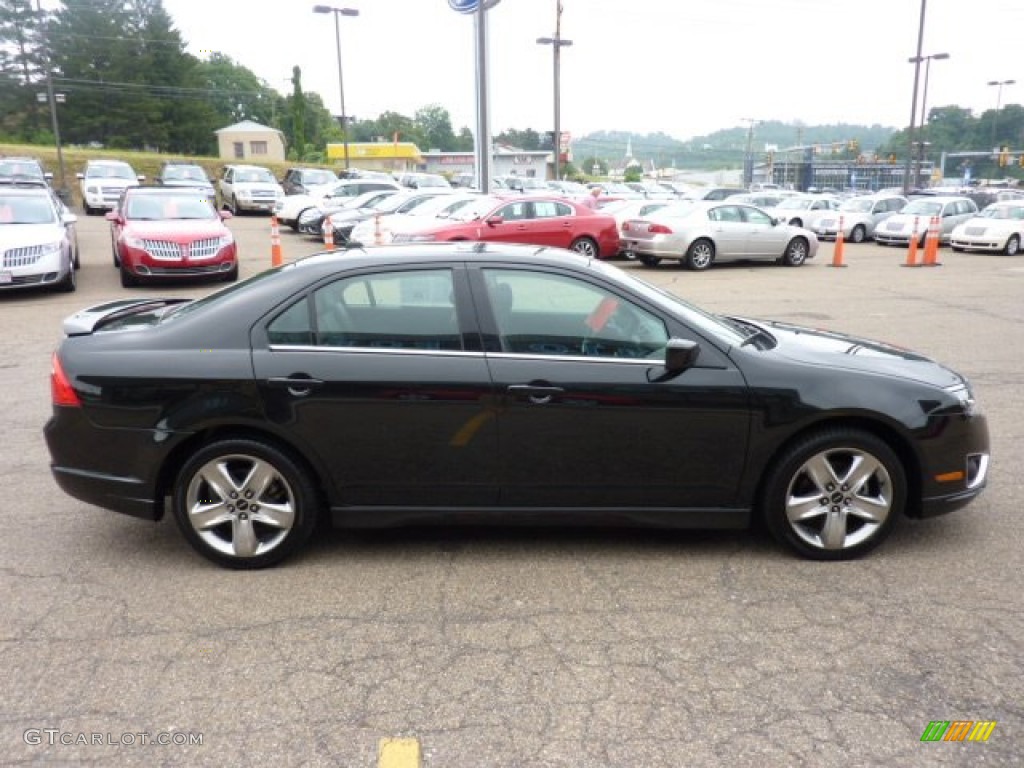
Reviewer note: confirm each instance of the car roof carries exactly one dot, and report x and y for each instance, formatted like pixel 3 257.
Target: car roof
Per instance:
pixel 161 190
pixel 25 191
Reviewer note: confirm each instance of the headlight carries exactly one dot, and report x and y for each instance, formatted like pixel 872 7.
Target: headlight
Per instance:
pixel 134 242
pixel 51 248
pixel 226 240
pixel 969 405
pixel 245 194
pixel 309 216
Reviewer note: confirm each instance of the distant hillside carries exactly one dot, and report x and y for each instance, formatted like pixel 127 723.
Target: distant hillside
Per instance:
pixel 723 148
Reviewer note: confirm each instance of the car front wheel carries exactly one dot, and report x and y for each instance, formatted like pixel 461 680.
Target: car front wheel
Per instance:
pixel 859 234
pixel 834 495
pixel 244 503
pixel 796 252
pixel 1012 246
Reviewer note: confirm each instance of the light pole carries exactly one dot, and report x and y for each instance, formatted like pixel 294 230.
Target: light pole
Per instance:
pixel 999 100
pixel 52 98
pixel 341 82
pixel 557 43
pixel 924 107
pixel 748 157
pixel 916 60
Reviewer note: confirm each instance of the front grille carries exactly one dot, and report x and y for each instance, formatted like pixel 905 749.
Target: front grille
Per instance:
pixel 189 270
pixel 23 257
pixel 166 250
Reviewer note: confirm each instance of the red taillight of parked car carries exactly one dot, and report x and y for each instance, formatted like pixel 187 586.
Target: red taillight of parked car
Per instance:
pixel 61 390
pixel 658 229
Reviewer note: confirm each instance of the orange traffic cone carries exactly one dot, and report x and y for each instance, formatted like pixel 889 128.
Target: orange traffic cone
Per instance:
pixel 328 233
pixel 912 250
pixel 931 245
pixel 837 251
pixel 276 257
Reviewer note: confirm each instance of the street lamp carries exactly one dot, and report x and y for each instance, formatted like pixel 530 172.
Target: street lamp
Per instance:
pixel 557 43
pixel 341 82
pixel 748 156
pixel 924 107
pixel 999 101
pixel 913 99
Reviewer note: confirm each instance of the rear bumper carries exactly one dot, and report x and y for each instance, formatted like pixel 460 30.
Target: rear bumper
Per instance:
pixel 127 495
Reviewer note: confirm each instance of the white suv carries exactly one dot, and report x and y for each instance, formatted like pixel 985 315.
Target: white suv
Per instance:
pixel 102 183
pixel 248 188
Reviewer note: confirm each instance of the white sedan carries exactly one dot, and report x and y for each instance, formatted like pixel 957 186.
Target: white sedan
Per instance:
pixel 38 242
pixel 999 227
pixel 423 216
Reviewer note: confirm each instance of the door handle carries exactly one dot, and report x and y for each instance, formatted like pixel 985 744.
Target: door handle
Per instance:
pixel 535 393
pixel 296 384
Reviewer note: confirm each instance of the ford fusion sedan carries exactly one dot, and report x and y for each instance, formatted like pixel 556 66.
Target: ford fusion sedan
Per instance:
pixel 165 233
pixel 698 234
pixel 38 240
pixel 555 222
pixel 998 228
pixel 496 383
pixel 900 228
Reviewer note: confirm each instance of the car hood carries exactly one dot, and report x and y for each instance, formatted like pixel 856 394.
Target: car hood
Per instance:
pixel 992 225
pixel 110 182
pixel 21 235
pixel 178 229
pixel 842 351
pixel 259 186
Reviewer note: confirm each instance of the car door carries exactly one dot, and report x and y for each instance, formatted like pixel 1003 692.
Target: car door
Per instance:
pixel 515 226
pixel 729 231
pixel 763 236
pixel 382 377
pixel 582 420
pixel 553 223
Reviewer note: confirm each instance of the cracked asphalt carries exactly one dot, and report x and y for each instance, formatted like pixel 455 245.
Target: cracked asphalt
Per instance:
pixel 519 648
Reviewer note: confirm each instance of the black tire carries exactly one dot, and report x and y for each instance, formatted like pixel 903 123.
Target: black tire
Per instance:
pixel 796 252
pixel 69 282
pixel 233 206
pixel 649 261
pixel 858 234
pixel 585 246
pixel 240 530
pixel 798 509
pixel 128 280
pixel 231 275
pixel 700 255
pixel 1012 246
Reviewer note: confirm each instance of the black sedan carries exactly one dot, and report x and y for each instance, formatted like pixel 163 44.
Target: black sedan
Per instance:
pixel 451 382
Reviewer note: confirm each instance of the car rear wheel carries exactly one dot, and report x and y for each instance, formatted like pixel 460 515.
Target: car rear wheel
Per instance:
pixel 858 234
pixel 650 261
pixel 244 503
pixel 796 252
pixel 1012 246
pixel 700 254
pixel 585 246
pixel 834 495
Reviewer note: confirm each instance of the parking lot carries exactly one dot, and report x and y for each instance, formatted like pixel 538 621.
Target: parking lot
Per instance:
pixel 527 648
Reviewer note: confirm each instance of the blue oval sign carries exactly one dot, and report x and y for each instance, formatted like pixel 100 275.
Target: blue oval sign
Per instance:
pixel 470 6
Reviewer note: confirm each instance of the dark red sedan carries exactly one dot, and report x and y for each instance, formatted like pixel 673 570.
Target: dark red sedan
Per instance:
pixel 160 233
pixel 553 221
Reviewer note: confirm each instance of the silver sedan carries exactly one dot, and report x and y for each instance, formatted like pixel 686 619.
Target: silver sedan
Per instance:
pixel 698 233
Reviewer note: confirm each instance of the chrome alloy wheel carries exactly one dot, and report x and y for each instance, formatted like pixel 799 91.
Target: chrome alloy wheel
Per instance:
pixel 240 505
pixel 839 498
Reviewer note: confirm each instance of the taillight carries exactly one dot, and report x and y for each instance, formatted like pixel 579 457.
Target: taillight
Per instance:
pixel 625 226
pixel 61 390
pixel 659 229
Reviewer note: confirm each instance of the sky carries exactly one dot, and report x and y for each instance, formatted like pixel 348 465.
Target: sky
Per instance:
pixel 681 67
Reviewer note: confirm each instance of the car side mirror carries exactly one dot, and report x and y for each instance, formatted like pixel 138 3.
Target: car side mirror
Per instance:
pixel 69 218
pixel 113 216
pixel 495 220
pixel 680 354
pixel 79 175
pixel 225 215
pixel 141 177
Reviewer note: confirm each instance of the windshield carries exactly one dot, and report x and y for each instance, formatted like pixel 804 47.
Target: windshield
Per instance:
pixel 436 206
pixel 475 209
pixel 21 209
pixel 150 207
pixel 15 168
pixel 676 210
pixel 255 176
pixel 1003 212
pixel 318 177
pixel 795 203
pixel 119 171
pixel 184 173
pixel 857 206
pixel 923 208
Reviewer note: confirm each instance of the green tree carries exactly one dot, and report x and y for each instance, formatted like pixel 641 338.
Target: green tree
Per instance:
pixel 436 126
pixel 21 70
pixel 298 113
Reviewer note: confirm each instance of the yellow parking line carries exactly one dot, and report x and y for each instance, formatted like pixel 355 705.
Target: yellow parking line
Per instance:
pixel 398 753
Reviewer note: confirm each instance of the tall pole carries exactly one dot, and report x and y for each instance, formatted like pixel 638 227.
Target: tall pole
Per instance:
pixel 557 43
pixel 913 100
pixel 924 114
pixel 52 98
pixel 748 158
pixel 483 105
pixel 341 80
